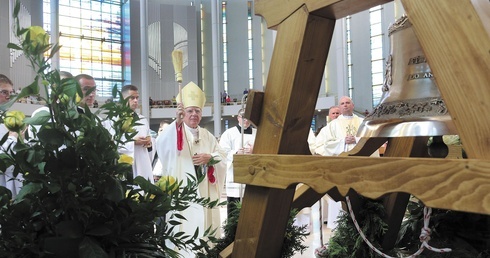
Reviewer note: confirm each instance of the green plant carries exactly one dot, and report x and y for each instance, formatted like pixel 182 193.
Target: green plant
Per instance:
pixel 293 239
pixel 468 235
pixel 346 241
pixel 77 200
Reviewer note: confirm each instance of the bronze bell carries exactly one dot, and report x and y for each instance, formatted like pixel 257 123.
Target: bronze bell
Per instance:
pixel 411 104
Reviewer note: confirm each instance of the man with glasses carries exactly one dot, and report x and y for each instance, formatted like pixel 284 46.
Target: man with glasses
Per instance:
pixel 7 178
pixel 186 148
pixel 6 89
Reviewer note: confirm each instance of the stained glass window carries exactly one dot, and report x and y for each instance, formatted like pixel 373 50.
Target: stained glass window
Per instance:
pixel 91 39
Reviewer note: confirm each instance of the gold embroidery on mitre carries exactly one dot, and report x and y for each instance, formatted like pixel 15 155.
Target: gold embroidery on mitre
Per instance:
pixel 192 96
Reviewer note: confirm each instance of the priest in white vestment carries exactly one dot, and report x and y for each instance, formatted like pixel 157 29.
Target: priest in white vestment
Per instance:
pixel 183 145
pixel 140 147
pixel 233 142
pixel 340 136
pixel 321 137
pixel 318 148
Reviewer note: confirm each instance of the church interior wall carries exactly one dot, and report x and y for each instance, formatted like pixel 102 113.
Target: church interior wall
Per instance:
pixel 200 65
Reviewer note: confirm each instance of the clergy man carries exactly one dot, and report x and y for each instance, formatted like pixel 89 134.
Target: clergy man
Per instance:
pixel 184 148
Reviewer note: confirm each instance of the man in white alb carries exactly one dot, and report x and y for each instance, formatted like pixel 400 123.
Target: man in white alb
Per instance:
pixel 140 147
pixel 233 143
pixel 340 136
pixel 186 148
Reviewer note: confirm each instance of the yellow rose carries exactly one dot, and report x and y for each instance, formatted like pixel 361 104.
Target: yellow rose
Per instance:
pixel 126 127
pixel 38 36
pixel 123 158
pixel 78 99
pixel 14 120
pixel 167 181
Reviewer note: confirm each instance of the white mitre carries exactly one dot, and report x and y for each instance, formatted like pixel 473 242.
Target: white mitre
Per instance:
pixel 192 96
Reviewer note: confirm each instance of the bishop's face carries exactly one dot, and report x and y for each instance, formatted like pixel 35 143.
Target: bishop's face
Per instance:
pixel 192 116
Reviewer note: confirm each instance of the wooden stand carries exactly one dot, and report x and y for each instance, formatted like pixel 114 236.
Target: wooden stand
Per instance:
pixel 458 49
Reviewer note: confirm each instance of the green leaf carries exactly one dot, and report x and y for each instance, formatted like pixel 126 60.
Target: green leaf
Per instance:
pixel 114 91
pixel 113 189
pixel 70 228
pixel 29 188
pixel 14 46
pixel 62 246
pixel 99 231
pixel 50 136
pixel 40 118
pixel 89 249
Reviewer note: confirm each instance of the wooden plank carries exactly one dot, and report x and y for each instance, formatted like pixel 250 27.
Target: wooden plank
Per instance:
pixel 294 81
pixel 306 197
pixel 457 47
pixel 262 222
pixel 255 101
pixel 395 204
pixel 227 252
pixel 276 11
pixel 454 184
pixel 293 84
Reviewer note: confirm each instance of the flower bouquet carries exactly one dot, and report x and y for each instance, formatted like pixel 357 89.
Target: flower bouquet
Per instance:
pixel 79 198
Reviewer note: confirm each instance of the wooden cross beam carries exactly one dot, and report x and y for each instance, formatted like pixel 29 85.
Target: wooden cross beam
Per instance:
pixel 458 50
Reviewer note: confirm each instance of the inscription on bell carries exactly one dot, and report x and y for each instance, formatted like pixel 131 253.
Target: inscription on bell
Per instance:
pixel 417 60
pixel 415 76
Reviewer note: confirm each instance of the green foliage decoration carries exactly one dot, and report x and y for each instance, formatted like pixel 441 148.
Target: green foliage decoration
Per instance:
pixel 468 235
pixel 77 200
pixel 293 239
pixel 346 241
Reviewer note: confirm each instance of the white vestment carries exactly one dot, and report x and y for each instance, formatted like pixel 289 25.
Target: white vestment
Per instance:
pixel 334 143
pixel 6 177
pixel 179 163
pixel 231 141
pixel 337 130
pixel 311 141
pixel 142 157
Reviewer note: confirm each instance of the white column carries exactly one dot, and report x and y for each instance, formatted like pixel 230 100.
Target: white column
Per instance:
pixel 55 32
pixel 215 29
pixel 144 88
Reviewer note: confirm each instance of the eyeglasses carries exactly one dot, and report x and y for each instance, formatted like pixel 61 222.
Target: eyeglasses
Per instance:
pixel 6 92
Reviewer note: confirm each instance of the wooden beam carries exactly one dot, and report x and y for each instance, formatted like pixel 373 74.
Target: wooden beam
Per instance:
pixel 262 222
pixel 453 184
pixel 296 70
pixel 457 48
pixel 276 11
pixel 395 204
pixel 293 85
pixel 255 101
